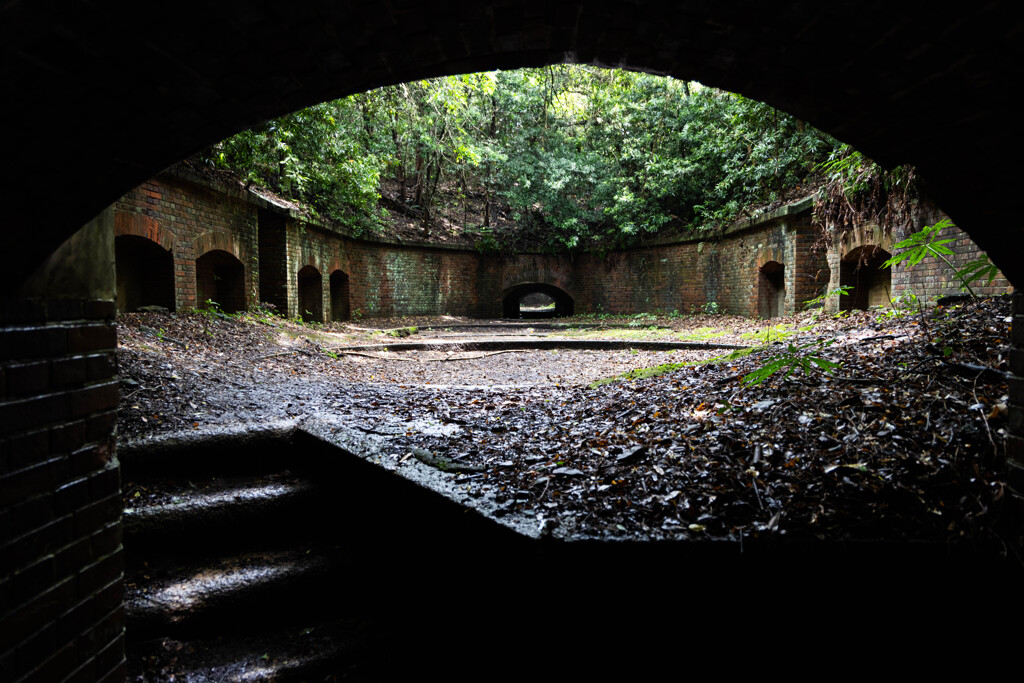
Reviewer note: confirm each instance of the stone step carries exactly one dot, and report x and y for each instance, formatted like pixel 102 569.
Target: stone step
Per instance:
pixel 237 593
pixel 220 449
pixel 180 516
pixel 334 650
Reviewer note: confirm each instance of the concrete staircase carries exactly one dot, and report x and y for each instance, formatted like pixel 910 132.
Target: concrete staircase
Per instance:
pixel 232 564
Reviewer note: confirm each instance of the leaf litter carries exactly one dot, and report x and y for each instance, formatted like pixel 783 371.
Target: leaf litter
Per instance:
pixel 904 439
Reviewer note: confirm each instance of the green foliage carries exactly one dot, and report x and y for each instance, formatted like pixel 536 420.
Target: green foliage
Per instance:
pixel 579 157
pixel 843 290
pixel 802 357
pixel 641 373
pixel 319 155
pixel 211 309
pixel 927 242
pixel 709 308
pixel 642 319
pixel 920 244
pixel 904 304
pixel 979 269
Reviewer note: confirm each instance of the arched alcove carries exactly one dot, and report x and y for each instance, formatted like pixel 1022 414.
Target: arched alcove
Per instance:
pixel 145 274
pixel 311 295
pixel 771 290
pixel 513 298
pixel 340 305
pixel 871 284
pixel 220 278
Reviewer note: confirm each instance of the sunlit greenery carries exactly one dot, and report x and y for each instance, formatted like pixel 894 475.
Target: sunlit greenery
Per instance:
pixel 579 156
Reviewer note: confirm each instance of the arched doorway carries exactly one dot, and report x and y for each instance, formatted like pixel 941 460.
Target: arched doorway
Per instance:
pixel 220 279
pixel 771 290
pixel 861 270
pixel 340 306
pixel 145 274
pixel 311 295
pixel 536 300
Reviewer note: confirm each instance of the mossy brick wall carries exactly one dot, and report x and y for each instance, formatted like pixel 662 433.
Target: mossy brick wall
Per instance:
pixel 389 279
pixel 192 219
pixel 932 279
pixel 685 276
pixel 61 565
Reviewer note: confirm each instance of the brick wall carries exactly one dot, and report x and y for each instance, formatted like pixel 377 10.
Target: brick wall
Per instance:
pixel 929 280
pixel 189 216
pixel 724 269
pixel 60 497
pixel 387 279
pixel 192 219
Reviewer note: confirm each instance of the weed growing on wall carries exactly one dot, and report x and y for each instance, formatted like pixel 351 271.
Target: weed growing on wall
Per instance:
pixel 926 242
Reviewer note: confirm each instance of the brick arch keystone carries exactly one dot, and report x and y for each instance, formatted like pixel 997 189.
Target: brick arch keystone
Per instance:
pixel 221 241
pixel 141 225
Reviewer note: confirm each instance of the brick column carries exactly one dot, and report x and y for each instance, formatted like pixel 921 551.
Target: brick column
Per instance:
pixel 61 577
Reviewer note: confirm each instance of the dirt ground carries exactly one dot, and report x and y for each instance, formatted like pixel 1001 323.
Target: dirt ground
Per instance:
pixel 903 438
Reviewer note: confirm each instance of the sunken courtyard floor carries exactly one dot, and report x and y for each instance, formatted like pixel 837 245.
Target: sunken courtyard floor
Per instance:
pixel 265 463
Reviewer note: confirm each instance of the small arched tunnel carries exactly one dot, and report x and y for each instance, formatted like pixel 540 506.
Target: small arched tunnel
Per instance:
pixel 861 269
pixel 220 279
pixel 771 290
pixel 145 274
pixel 536 300
pixel 340 296
pixel 311 295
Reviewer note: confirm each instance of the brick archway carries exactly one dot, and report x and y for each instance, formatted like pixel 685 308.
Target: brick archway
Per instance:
pixel 889 95
pixel 221 241
pixel 141 225
pixel 145 274
pixel 933 89
pixel 511 296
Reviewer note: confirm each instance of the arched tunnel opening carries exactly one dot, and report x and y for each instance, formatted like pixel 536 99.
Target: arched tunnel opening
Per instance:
pixel 220 281
pixel 340 296
pixel 145 274
pixel 870 284
pixel 536 301
pixel 311 294
pixel 771 290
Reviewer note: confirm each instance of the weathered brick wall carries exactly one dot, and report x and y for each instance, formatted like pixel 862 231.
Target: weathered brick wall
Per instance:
pixel 60 501
pixel 387 279
pixel 192 219
pixel 929 280
pixel 725 270
pixel 932 279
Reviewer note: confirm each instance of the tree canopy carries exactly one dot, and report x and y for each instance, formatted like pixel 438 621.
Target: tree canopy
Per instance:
pixel 577 156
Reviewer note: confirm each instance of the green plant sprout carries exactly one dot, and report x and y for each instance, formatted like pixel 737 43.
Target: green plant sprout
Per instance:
pixel 794 357
pixel 842 290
